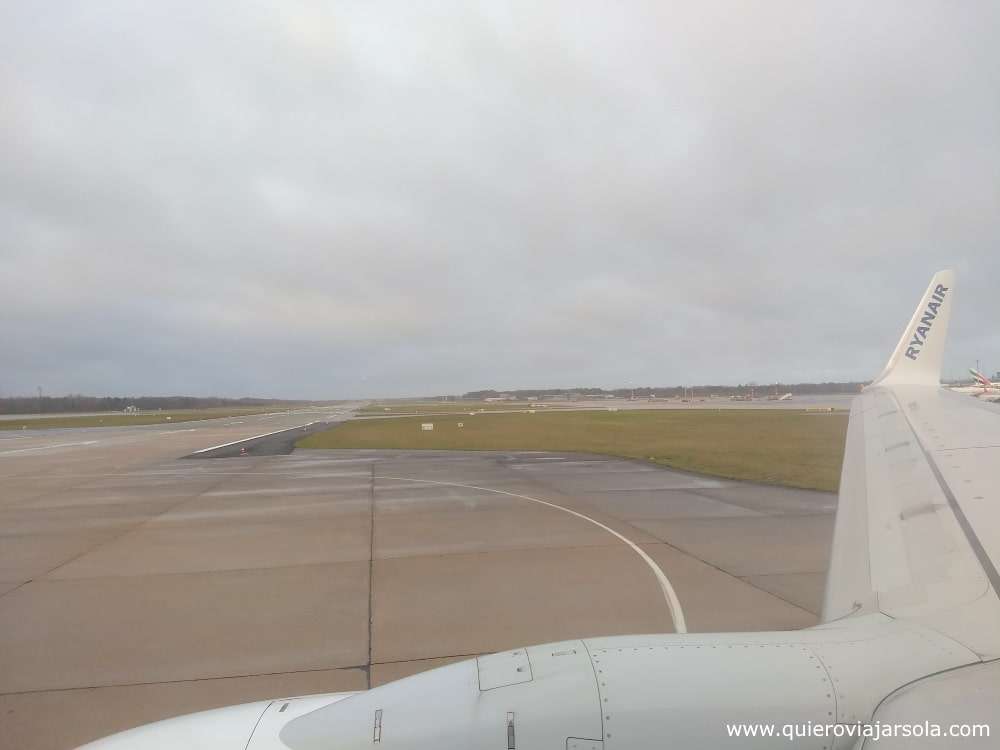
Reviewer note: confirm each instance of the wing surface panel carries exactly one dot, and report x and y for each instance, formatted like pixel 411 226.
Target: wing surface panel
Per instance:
pixel 918 522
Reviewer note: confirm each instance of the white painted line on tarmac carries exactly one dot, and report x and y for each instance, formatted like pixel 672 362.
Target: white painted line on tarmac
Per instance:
pixel 255 437
pixel 673 603
pixel 46 447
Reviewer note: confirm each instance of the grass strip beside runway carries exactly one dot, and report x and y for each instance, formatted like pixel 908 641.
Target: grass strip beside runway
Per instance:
pixel 117 419
pixel 776 446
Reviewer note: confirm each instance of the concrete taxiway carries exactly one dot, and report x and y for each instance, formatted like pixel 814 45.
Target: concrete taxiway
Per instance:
pixel 135 584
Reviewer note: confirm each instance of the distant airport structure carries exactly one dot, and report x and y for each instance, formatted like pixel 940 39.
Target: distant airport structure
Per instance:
pixel 76 403
pixel 741 392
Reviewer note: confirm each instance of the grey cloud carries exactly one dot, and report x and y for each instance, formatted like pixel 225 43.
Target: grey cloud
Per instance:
pixel 349 199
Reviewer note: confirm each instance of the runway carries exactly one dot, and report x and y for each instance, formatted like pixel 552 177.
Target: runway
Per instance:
pixel 136 585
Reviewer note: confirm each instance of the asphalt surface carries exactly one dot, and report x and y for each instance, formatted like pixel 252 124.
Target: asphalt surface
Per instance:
pixel 279 443
pixel 135 586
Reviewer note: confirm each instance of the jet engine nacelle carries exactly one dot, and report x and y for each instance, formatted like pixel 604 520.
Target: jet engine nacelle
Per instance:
pixel 627 692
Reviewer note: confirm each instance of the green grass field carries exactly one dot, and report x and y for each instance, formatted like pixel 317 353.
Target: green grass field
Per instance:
pixel 777 446
pixel 115 419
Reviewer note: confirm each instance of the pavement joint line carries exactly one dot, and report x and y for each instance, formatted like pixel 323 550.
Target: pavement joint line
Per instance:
pixel 705 493
pixel 738 516
pixel 175 682
pixel 788 573
pixel 125 532
pixel 47 447
pixel 703 561
pixel 669 595
pixel 332 563
pixel 631 523
pixel 345 668
pixel 388 662
pixel 201 572
pixel 179 472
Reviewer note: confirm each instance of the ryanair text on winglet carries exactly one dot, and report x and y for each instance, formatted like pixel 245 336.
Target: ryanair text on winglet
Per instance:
pixel 926 321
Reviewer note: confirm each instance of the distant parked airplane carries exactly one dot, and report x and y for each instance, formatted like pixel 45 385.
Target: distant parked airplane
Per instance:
pixel 782 397
pixel 982 379
pixel 983 388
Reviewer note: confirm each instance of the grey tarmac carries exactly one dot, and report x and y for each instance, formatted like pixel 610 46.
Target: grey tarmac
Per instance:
pixel 135 585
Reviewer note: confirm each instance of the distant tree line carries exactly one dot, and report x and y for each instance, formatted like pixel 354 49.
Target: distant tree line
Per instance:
pixel 673 391
pixel 79 403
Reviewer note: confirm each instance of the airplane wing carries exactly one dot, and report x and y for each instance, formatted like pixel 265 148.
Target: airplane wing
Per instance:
pixel 917 535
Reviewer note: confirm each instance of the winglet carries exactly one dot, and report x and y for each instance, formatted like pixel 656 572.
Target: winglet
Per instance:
pixel 918 355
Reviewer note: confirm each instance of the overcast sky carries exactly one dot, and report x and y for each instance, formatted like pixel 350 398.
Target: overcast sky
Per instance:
pixel 371 199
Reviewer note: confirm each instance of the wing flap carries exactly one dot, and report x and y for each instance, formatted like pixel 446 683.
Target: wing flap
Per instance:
pixel 848 584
